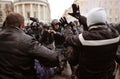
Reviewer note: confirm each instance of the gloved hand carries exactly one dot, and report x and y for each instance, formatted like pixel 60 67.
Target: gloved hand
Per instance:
pixel 77 15
pixel 76 11
pixel 63 21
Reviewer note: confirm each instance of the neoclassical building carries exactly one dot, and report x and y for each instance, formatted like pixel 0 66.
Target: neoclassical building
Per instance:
pixel 111 7
pixel 5 8
pixel 33 8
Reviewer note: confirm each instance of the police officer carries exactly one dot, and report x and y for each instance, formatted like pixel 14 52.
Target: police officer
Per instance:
pixel 58 33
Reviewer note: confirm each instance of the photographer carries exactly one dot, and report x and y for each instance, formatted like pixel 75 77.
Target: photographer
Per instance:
pixel 35 29
pixel 47 38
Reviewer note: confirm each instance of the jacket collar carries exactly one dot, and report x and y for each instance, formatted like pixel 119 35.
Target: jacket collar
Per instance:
pixel 97 26
pixel 14 29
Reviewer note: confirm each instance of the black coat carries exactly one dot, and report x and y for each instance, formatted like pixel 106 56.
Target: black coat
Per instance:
pixel 17 54
pixel 58 37
pixel 96 50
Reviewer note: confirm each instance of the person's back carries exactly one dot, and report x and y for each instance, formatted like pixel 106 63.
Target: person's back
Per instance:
pixel 97 54
pixel 96 48
pixel 14 56
pixel 18 51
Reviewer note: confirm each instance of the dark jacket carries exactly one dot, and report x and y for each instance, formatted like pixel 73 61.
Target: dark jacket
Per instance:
pixel 17 54
pixel 117 27
pixel 46 38
pixel 96 49
pixel 59 38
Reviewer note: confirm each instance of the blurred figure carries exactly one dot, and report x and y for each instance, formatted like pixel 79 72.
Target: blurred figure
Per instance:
pixel 27 28
pixel 47 38
pixel 34 29
pixel 79 27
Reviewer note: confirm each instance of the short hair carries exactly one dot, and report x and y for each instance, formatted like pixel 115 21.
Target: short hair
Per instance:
pixel 14 20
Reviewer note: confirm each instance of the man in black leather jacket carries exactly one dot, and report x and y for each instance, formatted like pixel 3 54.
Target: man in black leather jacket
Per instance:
pixel 18 51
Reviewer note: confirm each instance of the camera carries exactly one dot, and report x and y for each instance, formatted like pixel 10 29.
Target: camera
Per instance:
pixel 34 19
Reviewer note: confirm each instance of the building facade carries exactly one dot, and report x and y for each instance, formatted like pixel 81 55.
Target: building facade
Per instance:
pixel 111 7
pixel 33 8
pixel 5 8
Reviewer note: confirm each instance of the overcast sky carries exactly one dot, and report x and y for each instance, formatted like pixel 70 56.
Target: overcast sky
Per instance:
pixel 58 7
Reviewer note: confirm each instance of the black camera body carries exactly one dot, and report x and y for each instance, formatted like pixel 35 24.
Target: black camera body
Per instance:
pixel 35 22
pixel 33 19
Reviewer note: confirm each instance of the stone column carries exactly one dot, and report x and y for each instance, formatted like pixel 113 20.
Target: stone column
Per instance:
pixel 39 10
pixel 23 10
pixel 44 17
pixel 31 10
pixel 17 8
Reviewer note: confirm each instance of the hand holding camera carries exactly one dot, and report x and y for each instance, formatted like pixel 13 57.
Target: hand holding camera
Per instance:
pixel 52 31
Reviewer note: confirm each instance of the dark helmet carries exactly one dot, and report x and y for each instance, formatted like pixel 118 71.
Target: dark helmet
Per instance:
pixel 76 22
pixel 54 22
pixel 41 23
pixel 34 24
pixel 46 25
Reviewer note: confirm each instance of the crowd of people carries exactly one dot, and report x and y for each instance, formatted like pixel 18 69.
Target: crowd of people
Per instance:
pixel 87 48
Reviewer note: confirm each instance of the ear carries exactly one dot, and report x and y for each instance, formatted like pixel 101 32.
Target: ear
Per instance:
pixel 22 26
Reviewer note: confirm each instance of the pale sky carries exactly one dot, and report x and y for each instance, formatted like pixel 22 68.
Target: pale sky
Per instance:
pixel 58 7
